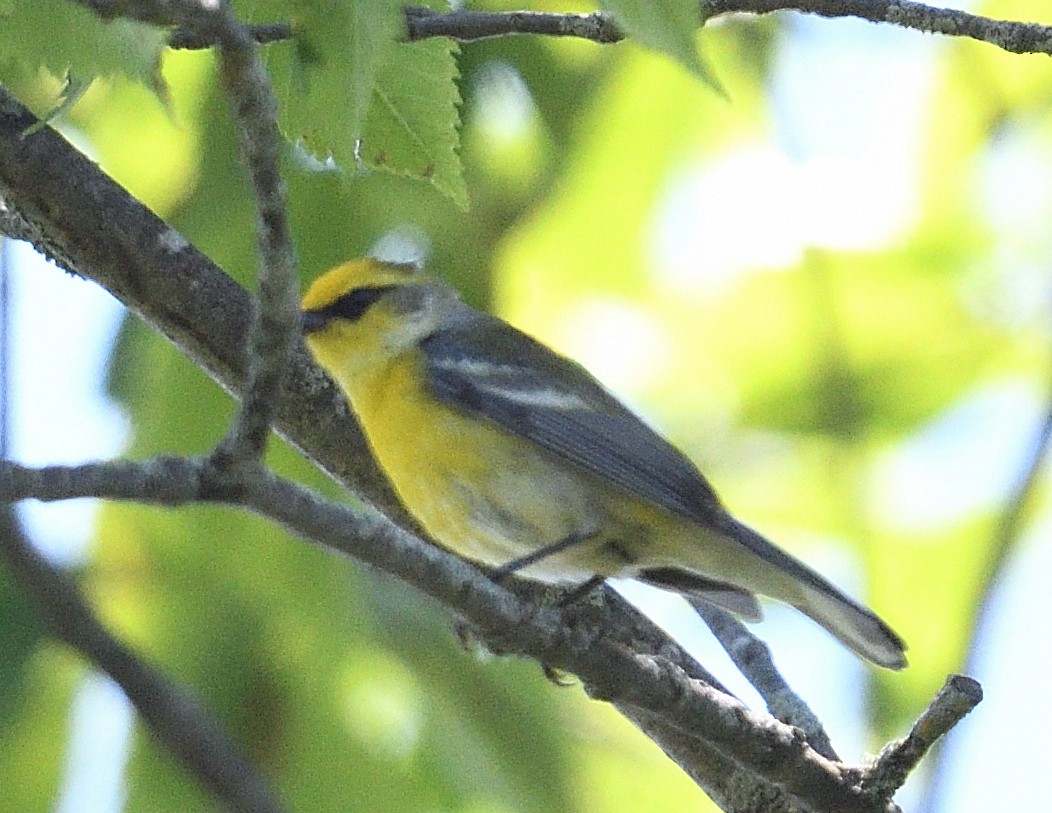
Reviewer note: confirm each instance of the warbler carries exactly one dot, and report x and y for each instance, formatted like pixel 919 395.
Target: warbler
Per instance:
pixel 515 457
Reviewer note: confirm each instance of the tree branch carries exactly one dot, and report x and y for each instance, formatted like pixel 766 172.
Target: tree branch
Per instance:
pixel 188 39
pixel 753 659
pixel 172 714
pixel 954 701
pixel 1015 37
pixel 581 642
pixel 275 323
pixel 465 25
pixel 58 200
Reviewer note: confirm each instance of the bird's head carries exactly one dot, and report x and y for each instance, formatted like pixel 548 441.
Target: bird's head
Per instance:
pixel 366 312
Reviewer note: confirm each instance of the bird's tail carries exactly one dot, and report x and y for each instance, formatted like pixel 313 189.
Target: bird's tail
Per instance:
pixel 780 576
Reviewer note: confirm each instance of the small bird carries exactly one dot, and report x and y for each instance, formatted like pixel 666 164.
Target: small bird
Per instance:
pixel 515 457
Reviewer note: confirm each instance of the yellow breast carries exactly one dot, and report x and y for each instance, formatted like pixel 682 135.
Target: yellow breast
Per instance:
pixel 475 488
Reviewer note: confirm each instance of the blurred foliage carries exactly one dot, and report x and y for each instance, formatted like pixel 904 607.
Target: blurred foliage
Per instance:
pixel 799 379
pixel 65 38
pixel 21 633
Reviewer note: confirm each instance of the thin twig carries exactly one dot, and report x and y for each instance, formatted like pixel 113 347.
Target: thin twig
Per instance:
pixel 254 109
pixel 1014 37
pixel 276 320
pixel 189 39
pixel 954 701
pixel 465 25
pixel 753 659
pixel 173 715
pixel 275 325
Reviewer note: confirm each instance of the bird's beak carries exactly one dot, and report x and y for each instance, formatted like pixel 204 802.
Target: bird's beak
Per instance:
pixel 313 321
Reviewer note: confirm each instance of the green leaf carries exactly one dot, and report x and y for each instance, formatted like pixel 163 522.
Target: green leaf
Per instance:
pixel 351 42
pixel 323 80
pixel 349 91
pixel 412 124
pixel 66 38
pixel 668 26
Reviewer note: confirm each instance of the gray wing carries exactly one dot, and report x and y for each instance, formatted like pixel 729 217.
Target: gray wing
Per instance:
pixel 488 368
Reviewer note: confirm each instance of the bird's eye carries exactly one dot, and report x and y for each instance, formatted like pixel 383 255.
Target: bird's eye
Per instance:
pixel 351 306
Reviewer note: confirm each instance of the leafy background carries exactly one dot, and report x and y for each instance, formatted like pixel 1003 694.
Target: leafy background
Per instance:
pixel 839 309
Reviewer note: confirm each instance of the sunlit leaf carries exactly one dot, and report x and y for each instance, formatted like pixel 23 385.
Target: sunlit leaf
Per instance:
pixel 667 26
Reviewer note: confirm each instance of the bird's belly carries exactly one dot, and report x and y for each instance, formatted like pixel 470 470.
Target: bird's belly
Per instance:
pixel 486 495
pixel 501 512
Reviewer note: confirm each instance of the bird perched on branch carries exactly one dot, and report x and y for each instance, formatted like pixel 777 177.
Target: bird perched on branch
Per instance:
pixel 513 456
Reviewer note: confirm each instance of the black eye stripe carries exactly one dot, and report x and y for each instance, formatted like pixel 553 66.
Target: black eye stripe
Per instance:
pixel 351 306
